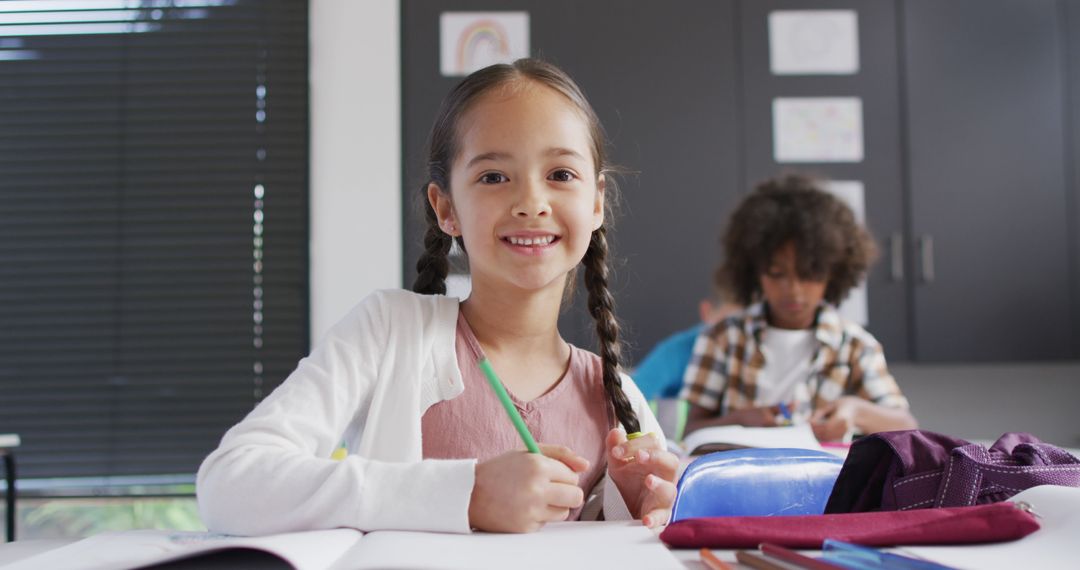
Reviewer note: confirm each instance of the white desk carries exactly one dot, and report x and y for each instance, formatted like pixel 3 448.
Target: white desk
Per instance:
pixel 638 549
pixel 14 551
pixel 1046 548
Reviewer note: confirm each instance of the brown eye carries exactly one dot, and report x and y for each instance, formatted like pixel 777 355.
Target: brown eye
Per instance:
pixel 492 178
pixel 562 176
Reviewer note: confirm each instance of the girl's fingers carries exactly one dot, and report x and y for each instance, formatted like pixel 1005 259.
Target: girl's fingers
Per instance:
pixel 558 472
pixel 665 464
pixel 656 517
pixel 657 505
pixel 564 496
pixel 662 491
pixel 629 450
pixel 613 440
pixel 555 514
pixel 575 462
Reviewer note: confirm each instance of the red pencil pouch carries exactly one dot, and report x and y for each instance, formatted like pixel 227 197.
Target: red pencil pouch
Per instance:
pixel 996 522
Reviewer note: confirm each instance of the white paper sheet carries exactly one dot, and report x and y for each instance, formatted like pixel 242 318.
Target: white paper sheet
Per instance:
pixel 799 436
pixel 312 550
pixel 856 307
pixel 562 546
pixel 805 42
pixel 473 40
pixel 558 546
pixel 817 129
pixel 852 193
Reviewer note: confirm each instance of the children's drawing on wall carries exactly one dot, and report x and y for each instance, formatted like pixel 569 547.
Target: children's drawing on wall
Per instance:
pixel 814 42
pixel 817 129
pixel 473 40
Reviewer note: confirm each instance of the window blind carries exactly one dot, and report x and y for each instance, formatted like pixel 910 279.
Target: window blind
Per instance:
pixel 153 225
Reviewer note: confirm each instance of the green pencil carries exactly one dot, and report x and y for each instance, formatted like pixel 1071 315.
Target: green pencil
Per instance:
pixel 511 411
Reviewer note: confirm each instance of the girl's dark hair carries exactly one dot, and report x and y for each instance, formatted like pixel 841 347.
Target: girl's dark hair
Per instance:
pixel 433 264
pixel 829 244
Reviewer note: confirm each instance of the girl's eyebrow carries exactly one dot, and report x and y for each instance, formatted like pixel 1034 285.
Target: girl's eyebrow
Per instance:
pixel 487 156
pixel 559 151
pixel 496 155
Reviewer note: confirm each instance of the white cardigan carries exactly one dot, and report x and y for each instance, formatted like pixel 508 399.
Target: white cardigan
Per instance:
pixel 368 383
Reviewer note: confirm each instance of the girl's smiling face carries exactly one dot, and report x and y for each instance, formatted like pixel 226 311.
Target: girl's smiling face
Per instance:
pixel 524 192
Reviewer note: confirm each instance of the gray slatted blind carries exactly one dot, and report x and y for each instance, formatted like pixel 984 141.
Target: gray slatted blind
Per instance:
pixel 153 225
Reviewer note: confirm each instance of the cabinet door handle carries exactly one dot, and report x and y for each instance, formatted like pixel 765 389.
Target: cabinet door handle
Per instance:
pixel 926 252
pixel 896 254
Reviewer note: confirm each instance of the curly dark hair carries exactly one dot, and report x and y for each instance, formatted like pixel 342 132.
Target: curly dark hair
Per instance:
pixel 829 244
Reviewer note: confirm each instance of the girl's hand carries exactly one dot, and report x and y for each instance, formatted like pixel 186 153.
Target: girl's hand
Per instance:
pixel 644 471
pixel 520 491
pixel 833 421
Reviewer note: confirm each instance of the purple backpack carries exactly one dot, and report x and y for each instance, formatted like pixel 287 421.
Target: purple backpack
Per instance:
pixel 916 469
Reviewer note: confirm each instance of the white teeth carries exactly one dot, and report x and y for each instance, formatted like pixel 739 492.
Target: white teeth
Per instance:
pixel 531 241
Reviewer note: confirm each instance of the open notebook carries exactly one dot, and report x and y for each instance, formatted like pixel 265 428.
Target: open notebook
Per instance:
pixel 614 544
pixel 723 438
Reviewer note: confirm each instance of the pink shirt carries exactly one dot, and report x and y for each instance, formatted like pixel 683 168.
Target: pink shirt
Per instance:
pixel 574 413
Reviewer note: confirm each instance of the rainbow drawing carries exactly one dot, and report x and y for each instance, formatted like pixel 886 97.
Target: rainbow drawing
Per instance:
pixel 481 36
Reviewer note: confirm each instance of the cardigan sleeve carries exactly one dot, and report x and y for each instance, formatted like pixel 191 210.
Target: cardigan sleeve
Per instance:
pixel 272 472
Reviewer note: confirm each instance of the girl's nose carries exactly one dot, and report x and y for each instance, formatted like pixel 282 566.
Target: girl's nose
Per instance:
pixel 532 202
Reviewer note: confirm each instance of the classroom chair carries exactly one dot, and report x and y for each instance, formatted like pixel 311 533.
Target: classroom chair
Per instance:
pixel 756 482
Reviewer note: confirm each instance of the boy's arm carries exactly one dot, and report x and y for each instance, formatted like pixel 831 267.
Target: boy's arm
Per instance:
pixel 704 383
pixel 877 403
pixel 700 417
pixel 886 408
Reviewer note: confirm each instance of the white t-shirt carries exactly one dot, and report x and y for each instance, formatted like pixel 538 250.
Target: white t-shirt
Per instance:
pixel 788 357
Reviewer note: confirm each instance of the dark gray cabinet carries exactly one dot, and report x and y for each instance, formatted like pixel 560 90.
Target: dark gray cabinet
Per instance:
pixel 1072 35
pixel 987 139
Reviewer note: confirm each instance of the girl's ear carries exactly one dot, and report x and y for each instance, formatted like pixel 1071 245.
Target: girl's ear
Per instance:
pixel 444 210
pixel 598 206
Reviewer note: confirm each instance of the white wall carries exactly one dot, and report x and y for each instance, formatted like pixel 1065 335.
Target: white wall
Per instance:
pixel 355 154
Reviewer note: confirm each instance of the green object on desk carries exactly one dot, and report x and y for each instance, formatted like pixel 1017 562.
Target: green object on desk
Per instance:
pixel 683 407
pixel 511 411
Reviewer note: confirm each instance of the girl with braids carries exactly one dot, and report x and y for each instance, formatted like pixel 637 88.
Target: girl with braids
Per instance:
pixel 517 175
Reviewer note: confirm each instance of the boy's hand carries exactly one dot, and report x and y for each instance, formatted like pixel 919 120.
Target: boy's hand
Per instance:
pixel 644 472
pixel 833 421
pixel 520 491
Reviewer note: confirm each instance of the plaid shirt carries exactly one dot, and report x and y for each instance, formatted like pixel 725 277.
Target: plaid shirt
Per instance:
pixel 727 358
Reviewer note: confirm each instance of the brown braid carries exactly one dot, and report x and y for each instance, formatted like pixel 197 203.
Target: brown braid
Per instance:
pixel 434 263
pixel 602 309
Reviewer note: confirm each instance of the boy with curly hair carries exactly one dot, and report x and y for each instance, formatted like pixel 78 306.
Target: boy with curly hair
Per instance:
pixel 792 253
